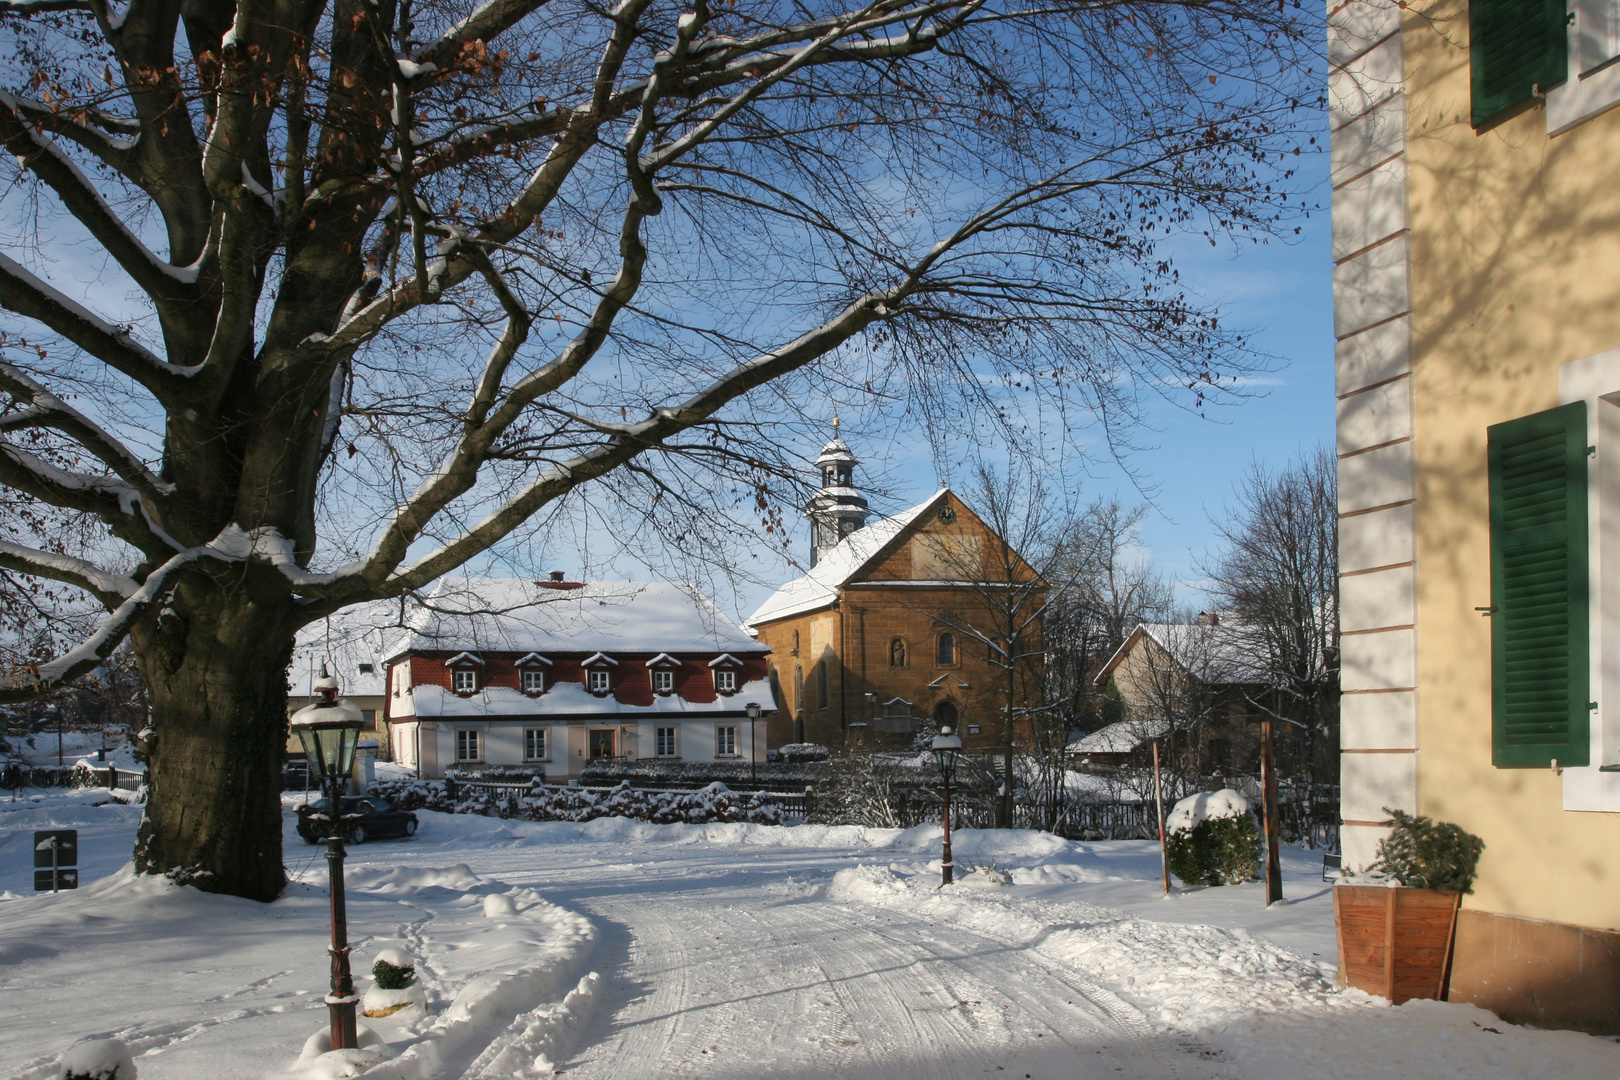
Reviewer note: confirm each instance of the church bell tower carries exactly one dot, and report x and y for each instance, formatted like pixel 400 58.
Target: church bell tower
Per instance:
pixel 838 509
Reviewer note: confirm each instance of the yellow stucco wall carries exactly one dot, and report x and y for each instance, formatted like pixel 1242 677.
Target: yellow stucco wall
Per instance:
pixel 1515 270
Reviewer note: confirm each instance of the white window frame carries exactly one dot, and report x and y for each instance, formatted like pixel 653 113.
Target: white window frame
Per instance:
pixel 464 737
pixel 674 750
pixel 457 674
pixel 725 741
pixel 725 680
pixel 545 744
pixel 595 676
pixel 663 681
pixel 1596 381
pixel 1592 85
pixel 534 676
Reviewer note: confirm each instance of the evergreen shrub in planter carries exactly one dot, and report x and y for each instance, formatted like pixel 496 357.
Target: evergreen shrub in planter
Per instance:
pixel 1395 936
pixel 1212 839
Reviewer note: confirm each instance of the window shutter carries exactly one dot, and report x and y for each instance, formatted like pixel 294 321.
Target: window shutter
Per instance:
pixel 1539 589
pixel 1514 46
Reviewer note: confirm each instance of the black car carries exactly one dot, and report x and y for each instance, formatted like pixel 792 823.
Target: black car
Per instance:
pixel 295 775
pixel 370 818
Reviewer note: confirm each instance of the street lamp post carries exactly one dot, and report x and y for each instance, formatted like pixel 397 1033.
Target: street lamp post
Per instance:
pixel 329 728
pixel 753 710
pixel 946 747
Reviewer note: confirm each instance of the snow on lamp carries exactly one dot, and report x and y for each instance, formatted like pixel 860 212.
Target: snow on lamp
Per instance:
pixel 329 729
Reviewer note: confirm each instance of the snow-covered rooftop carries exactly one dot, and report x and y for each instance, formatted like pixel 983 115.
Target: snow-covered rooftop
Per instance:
pixel 513 615
pixel 349 641
pixel 1120 738
pixel 1225 653
pixel 847 558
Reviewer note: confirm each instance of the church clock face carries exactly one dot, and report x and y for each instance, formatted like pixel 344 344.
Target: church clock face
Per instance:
pixel 947 514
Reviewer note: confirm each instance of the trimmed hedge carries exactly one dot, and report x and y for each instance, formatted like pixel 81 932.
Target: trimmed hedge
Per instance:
pixel 1218 851
pixel 715 803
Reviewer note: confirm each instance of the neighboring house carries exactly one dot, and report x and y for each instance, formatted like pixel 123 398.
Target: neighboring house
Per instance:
pixel 350 645
pixel 548 676
pixel 875 640
pixel 1193 685
pixel 1477 312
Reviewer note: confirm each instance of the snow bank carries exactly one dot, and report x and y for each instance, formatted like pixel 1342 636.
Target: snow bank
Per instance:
pixel 1205 806
pixel 1187 979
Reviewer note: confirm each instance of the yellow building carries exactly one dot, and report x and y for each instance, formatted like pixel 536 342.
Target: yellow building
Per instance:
pixel 1477 316
pixel 893 627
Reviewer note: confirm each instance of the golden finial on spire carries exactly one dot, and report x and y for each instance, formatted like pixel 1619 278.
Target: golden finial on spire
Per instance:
pixel 835 427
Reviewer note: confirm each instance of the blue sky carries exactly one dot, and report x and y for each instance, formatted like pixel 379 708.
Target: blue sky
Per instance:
pixel 1282 292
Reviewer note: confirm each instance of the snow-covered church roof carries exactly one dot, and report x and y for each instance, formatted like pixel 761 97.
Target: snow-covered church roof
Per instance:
pixel 838 566
pixel 513 615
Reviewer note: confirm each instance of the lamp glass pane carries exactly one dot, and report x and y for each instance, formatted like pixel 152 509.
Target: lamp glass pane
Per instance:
pixel 312 754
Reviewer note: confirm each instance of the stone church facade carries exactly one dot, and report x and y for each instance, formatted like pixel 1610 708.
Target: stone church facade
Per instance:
pixel 876 642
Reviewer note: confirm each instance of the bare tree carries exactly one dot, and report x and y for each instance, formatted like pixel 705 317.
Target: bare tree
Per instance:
pixel 400 277
pixel 1102 589
pixel 1277 575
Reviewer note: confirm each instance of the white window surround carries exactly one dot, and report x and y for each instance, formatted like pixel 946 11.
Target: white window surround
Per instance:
pixel 725 741
pixel 725 680
pixel 463 680
pixel 532 680
pixel 599 680
pixel 666 742
pixel 1592 86
pixel 536 739
pixel 1596 381
pixel 663 681
pixel 469 745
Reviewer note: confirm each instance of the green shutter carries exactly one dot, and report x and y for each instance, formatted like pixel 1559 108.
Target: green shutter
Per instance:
pixel 1514 46
pixel 1539 589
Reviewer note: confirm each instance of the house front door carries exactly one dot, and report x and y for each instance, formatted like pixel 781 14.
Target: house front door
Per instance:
pixel 601 745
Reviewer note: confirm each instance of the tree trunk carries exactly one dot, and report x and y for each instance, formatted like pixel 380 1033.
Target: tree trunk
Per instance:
pixel 216 665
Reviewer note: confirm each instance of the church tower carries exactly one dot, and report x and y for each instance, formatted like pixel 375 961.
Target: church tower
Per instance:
pixel 837 509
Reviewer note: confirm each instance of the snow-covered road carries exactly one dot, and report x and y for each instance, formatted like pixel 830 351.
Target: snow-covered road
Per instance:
pixel 724 966
pixel 725 952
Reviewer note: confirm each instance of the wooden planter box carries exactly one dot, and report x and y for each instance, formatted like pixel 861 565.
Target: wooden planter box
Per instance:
pixel 1394 941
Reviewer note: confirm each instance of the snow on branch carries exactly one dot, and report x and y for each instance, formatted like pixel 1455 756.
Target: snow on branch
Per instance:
pixel 105 585
pixel 48 410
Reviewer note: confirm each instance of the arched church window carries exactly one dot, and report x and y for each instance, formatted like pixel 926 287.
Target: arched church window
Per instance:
pixel 947 649
pixel 945 714
pixel 822 696
pixel 897 652
pixel 798 688
pixel 796 648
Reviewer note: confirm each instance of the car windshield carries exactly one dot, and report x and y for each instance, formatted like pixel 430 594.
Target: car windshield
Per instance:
pixel 351 805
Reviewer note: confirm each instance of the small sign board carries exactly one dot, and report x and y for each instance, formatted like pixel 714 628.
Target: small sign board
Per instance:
pixel 52 880
pixel 56 847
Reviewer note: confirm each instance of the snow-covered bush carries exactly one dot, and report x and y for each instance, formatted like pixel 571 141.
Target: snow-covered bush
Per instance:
pixel 393 970
pixel 394 985
pixel 98 1059
pixel 1426 854
pixel 542 803
pixel 1211 839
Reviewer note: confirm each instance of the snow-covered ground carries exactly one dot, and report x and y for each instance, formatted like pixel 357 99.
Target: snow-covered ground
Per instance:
pixel 625 950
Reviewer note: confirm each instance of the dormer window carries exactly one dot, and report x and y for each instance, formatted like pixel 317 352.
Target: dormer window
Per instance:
pixel 368 669
pixel 532 673
pixel 599 673
pixel 663 673
pixel 725 668
pixel 464 669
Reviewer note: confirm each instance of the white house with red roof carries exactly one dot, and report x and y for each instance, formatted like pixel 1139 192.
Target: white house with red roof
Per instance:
pixel 551 675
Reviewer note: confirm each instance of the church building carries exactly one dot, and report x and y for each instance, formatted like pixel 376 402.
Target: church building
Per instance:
pixel 884 634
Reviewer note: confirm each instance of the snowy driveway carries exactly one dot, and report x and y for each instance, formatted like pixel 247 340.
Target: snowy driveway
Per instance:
pixel 728 952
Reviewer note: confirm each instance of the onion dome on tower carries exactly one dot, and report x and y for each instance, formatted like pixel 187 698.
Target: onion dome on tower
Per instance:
pixel 838 509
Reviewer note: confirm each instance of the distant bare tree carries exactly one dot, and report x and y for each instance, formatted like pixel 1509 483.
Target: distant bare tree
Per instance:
pixel 1102 588
pixel 1277 577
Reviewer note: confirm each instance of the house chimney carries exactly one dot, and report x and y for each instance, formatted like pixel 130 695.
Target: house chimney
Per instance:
pixel 557 575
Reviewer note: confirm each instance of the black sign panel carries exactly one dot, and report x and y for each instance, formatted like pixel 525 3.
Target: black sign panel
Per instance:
pixel 65 843
pixel 65 879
